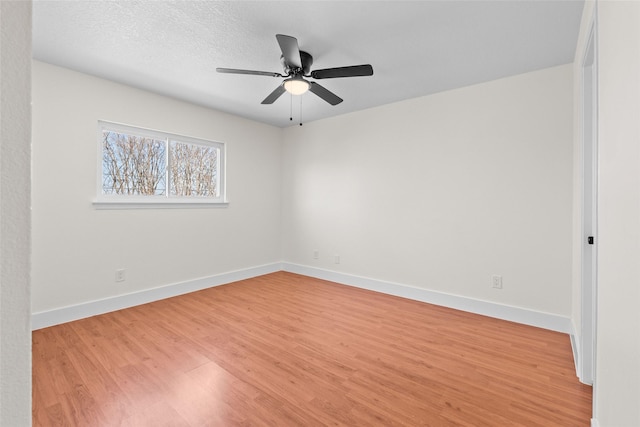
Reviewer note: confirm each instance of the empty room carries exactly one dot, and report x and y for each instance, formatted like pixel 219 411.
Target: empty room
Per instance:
pixel 304 213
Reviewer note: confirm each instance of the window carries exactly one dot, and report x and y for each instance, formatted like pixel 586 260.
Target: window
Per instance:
pixel 146 168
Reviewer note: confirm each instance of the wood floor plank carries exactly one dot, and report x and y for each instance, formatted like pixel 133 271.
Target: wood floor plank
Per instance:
pixel 288 350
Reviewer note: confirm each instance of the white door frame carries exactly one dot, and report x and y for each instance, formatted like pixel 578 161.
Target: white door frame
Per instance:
pixel 589 199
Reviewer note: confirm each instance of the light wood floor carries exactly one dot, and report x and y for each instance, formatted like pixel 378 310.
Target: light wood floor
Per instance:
pixel 288 350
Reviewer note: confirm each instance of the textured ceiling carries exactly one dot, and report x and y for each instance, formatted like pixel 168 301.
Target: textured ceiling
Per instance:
pixel 416 48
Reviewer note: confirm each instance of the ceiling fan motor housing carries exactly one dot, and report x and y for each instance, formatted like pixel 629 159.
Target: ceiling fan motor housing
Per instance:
pixel 305 58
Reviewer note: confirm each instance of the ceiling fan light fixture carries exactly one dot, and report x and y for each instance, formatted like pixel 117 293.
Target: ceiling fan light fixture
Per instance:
pixel 296 86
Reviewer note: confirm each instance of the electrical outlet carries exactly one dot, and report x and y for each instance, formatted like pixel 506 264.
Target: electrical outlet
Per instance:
pixel 316 254
pixel 496 281
pixel 120 275
pixel 336 259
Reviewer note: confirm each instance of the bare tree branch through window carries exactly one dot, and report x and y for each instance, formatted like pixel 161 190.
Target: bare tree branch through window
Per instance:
pixel 194 170
pixel 133 165
pixel 147 166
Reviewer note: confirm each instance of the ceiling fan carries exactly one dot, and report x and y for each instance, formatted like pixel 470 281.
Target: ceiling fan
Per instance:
pixel 297 66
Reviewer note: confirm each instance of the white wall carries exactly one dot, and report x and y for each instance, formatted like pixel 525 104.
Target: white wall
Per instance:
pixel 15 135
pixel 77 249
pixel 617 384
pixel 443 191
pixel 436 193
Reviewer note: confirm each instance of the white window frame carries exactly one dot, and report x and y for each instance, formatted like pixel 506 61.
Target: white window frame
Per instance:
pixel 120 201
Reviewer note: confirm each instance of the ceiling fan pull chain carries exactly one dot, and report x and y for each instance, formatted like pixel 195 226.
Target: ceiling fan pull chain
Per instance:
pixel 300 110
pixel 290 107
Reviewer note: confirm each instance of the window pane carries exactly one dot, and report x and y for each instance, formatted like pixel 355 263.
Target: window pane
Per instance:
pixel 194 170
pixel 132 164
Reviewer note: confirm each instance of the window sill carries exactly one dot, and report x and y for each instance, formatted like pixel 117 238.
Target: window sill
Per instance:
pixel 105 204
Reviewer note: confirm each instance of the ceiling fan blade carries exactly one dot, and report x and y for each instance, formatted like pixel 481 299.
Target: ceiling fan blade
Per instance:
pixel 251 72
pixel 271 98
pixel 324 93
pixel 290 50
pixel 351 71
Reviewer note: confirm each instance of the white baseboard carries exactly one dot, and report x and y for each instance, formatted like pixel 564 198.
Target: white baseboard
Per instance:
pixel 57 316
pixel 539 319
pixel 515 314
